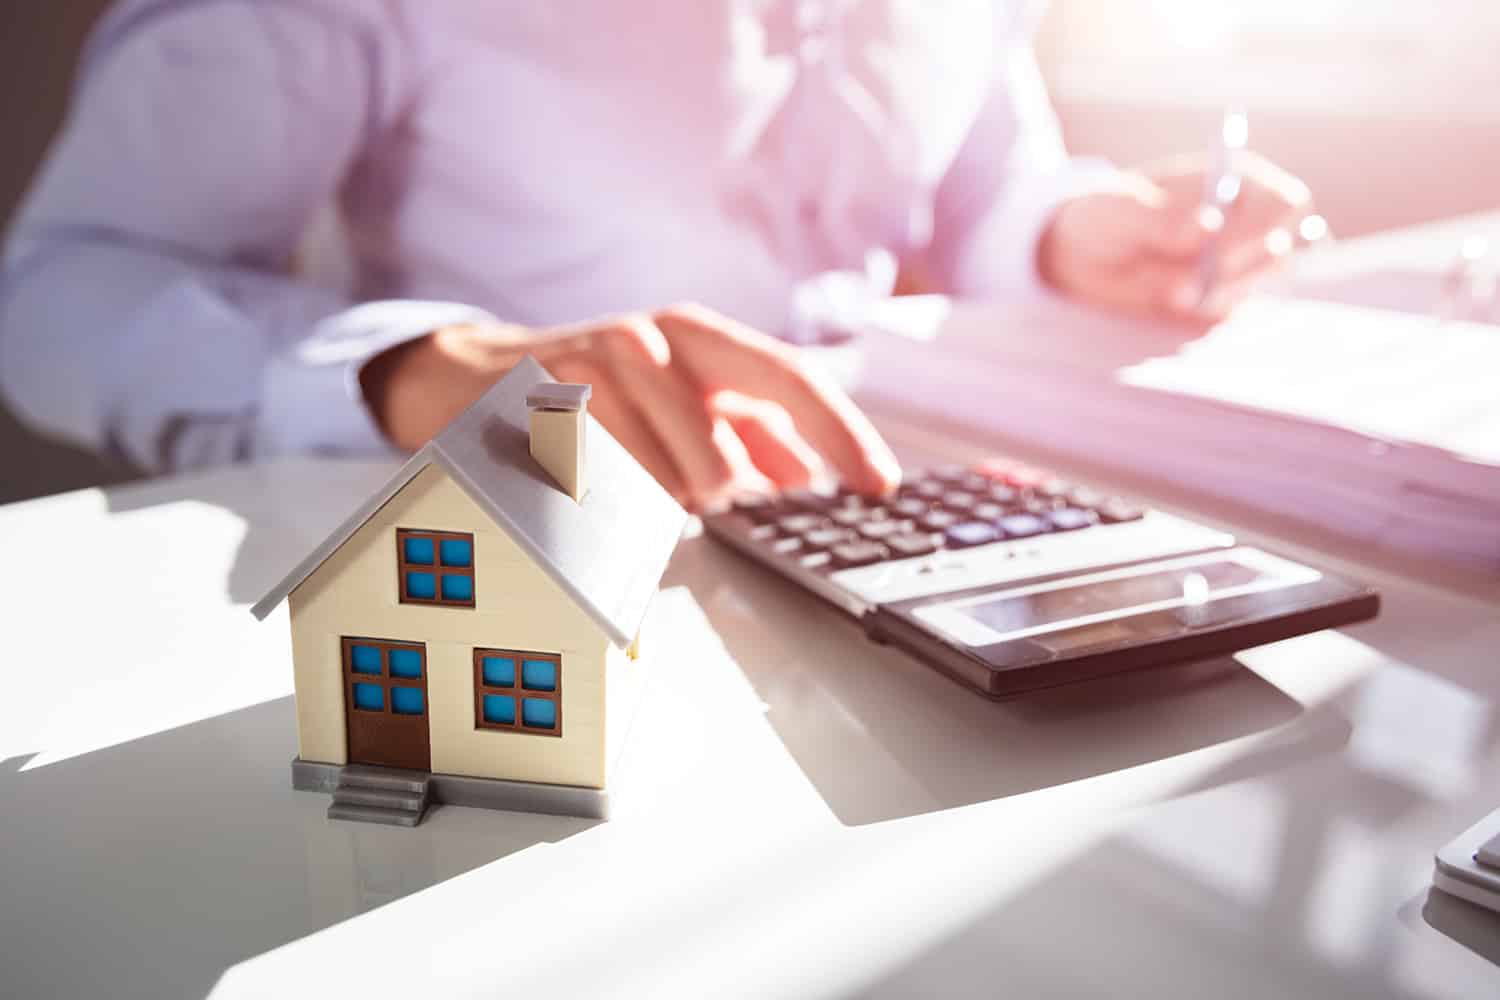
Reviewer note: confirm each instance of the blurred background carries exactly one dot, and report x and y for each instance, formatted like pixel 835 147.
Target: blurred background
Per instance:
pixel 1389 109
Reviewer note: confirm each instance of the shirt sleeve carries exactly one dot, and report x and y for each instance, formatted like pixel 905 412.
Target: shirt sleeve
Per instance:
pixel 1008 178
pixel 145 307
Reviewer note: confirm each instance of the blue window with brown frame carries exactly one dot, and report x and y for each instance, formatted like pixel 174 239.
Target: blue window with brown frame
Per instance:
pixel 518 691
pixel 435 567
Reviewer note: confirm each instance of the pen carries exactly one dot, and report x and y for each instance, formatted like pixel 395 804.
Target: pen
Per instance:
pixel 1221 189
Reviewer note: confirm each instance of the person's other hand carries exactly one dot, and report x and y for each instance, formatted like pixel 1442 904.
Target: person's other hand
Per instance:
pixel 703 402
pixel 1137 248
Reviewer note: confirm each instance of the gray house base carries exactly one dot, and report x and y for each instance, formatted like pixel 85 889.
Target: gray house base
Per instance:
pixel 409 793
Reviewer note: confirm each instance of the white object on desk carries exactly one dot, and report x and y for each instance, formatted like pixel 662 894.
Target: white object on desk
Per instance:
pixel 1378 426
pixel 1469 867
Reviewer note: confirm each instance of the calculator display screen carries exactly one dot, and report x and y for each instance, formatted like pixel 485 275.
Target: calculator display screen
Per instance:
pixel 1012 614
pixel 1070 611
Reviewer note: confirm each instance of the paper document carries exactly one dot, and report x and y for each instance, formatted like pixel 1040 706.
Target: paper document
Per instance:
pixel 1388 375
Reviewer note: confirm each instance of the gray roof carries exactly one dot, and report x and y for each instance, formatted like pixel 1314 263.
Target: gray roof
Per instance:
pixel 608 552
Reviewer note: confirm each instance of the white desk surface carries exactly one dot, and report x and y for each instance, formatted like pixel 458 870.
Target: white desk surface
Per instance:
pixel 800 812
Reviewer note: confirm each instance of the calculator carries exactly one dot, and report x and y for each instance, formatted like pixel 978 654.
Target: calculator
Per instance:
pixel 1010 579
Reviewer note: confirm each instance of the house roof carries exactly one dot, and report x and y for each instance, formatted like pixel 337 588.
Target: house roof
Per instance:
pixel 607 552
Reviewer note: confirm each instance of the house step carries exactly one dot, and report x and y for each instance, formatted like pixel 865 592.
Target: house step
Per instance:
pixel 373 814
pixel 380 795
pixel 386 798
pixel 370 776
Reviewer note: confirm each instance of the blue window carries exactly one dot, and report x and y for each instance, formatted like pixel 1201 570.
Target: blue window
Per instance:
pixel 457 551
pixel 407 701
pixel 499 710
pixel 417 549
pixel 539 713
pixel 369 697
pixel 364 659
pixel 537 685
pixel 498 671
pixel 435 567
pixel 458 588
pixel 406 662
pixel 402 681
pixel 539 675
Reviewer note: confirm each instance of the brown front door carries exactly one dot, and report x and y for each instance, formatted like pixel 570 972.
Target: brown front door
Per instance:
pixel 385 702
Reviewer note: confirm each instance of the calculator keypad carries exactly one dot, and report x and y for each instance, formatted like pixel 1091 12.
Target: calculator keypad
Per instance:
pixel 951 507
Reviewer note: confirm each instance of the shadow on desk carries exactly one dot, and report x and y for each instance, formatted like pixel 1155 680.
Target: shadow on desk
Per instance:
pixel 175 817
pixel 882 736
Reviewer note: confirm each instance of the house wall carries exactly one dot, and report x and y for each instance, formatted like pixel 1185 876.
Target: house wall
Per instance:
pixel 354 593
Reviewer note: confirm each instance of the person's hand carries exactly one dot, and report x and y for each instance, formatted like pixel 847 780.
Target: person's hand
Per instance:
pixel 1137 248
pixel 705 403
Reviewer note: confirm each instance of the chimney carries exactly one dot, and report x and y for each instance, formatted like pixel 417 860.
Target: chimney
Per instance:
pixel 559 413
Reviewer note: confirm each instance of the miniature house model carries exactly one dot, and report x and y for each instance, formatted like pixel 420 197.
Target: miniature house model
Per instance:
pixel 471 634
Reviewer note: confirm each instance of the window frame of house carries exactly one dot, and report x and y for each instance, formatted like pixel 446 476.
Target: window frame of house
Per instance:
pixel 518 691
pixel 383 678
pixel 437 568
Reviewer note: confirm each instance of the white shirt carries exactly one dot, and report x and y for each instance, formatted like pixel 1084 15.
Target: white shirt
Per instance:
pixel 540 162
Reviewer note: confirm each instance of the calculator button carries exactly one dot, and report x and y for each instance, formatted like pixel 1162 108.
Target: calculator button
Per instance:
pixel 853 554
pixel 958 501
pixel 1114 511
pixel 938 520
pixel 929 489
pixel 1003 494
pixel 1072 518
pixel 949 473
pixel 827 538
pixel 763 532
pixel 1082 496
pixel 881 530
pixel 799 524
pixel 853 517
pixel 787 546
pixel 815 560
pixel 961 536
pixel 910 507
pixel 908 546
pixel 1023 526
pixel 988 511
pixel 1055 489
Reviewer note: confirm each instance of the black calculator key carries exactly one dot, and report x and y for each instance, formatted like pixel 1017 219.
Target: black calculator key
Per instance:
pixel 815 560
pixel 957 500
pixel 787 546
pixel 800 524
pixel 915 544
pixel 827 538
pixel 852 554
pixel 929 489
pixel 1115 511
pixel 1003 494
pixel 962 536
pixel 938 520
pixel 853 517
pixel 881 530
pixel 1072 518
pixel 1055 489
pixel 1082 496
pixel 910 507
pixel 1024 525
